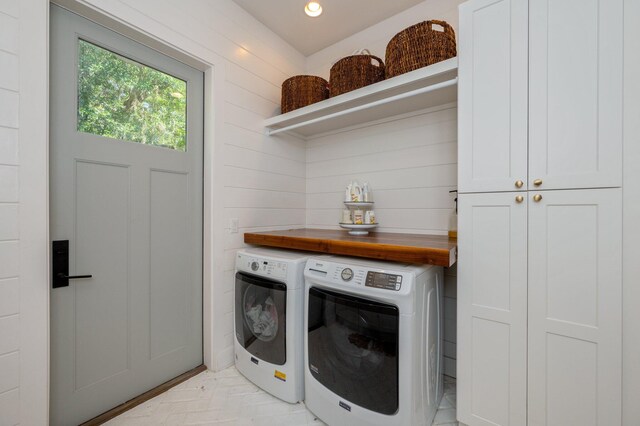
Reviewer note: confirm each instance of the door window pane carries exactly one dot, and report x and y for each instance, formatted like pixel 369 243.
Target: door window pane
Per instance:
pixel 122 99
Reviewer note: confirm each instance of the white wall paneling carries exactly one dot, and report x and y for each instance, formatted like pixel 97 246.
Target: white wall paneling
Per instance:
pixel 407 163
pixel 32 404
pixel 492 95
pixel 17 346
pixel 575 89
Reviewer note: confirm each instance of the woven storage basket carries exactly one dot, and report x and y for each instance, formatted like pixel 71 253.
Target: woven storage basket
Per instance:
pixel 302 90
pixel 418 46
pixel 354 72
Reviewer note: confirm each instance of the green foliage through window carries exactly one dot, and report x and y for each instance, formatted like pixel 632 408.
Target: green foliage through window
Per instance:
pixel 122 99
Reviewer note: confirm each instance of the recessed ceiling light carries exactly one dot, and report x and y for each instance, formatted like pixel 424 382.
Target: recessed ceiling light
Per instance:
pixel 313 9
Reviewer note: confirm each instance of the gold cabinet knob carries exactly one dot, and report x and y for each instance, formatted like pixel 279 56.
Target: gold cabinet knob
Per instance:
pixel 519 198
pixel 537 198
pixel 537 182
pixel 519 184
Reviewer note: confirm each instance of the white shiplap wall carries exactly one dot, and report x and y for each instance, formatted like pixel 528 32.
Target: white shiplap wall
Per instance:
pixel 9 229
pixel 263 178
pixel 410 162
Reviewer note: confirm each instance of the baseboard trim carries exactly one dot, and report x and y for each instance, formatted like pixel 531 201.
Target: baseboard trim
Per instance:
pixel 122 408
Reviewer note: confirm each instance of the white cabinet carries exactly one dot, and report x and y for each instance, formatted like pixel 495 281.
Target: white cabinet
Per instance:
pixel 539 282
pixel 540 94
pixel 492 96
pixel 575 90
pixel 492 309
pixel 575 308
pixel 539 302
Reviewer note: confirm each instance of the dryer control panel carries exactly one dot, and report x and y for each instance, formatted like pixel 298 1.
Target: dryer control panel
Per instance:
pixel 381 280
pixel 358 275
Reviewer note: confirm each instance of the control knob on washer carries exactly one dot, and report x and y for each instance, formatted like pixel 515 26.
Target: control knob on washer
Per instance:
pixel 254 266
pixel 347 274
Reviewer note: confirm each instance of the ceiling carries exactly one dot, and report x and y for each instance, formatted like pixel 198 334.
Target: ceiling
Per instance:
pixel 339 19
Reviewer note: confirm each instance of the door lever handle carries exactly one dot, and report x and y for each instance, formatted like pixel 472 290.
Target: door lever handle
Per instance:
pixel 60 265
pixel 73 277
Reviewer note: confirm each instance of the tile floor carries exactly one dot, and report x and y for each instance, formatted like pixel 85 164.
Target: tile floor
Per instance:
pixel 226 398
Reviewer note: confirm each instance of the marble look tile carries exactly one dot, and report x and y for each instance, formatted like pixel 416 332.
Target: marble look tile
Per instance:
pixel 444 404
pixel 227 398
pixel 445 416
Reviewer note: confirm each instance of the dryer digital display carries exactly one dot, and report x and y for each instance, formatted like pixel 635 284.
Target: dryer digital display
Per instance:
pixel 381 280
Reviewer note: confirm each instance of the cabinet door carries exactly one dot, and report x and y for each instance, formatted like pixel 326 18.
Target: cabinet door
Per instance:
pixel 492 309
pixel 492 96
pixel 575 302
pixel 576 60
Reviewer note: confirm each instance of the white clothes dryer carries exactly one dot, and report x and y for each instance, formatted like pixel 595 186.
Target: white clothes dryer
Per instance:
pixel 373 351
pixel 269 308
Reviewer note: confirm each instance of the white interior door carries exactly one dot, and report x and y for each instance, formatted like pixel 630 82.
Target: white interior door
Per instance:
pixel 575 303
pixel 492 96
pixel 575 89
pixel 492 309
pixel 126 160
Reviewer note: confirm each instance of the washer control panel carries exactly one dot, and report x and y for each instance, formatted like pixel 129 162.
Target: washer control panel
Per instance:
pixel 385 281
pixel 348 275
pixel 262 266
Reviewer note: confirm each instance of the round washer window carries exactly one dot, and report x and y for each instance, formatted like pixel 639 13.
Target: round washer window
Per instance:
pixel 260 313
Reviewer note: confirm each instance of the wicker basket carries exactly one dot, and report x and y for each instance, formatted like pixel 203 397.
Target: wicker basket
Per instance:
pixel 418 46
pixel 302 90
pixel 354 72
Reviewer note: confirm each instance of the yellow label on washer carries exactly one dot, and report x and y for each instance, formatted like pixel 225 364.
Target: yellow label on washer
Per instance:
pixel 280 375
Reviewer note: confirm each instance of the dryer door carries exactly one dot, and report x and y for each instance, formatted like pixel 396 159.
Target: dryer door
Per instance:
pixel 353 348
pixel 260 317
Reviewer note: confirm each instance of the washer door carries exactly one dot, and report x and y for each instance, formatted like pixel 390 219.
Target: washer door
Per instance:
pixel 260 317
pixel 353 348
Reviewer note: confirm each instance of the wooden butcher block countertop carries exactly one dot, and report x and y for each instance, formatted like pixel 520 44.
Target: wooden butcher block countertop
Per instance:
pixel 437 250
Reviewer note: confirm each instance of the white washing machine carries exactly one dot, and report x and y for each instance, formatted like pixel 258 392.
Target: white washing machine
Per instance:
pixel 269 310
pixel 373 351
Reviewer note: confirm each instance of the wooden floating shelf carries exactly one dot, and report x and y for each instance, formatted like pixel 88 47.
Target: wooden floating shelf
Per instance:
pixel 420 89
pixel 437 250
